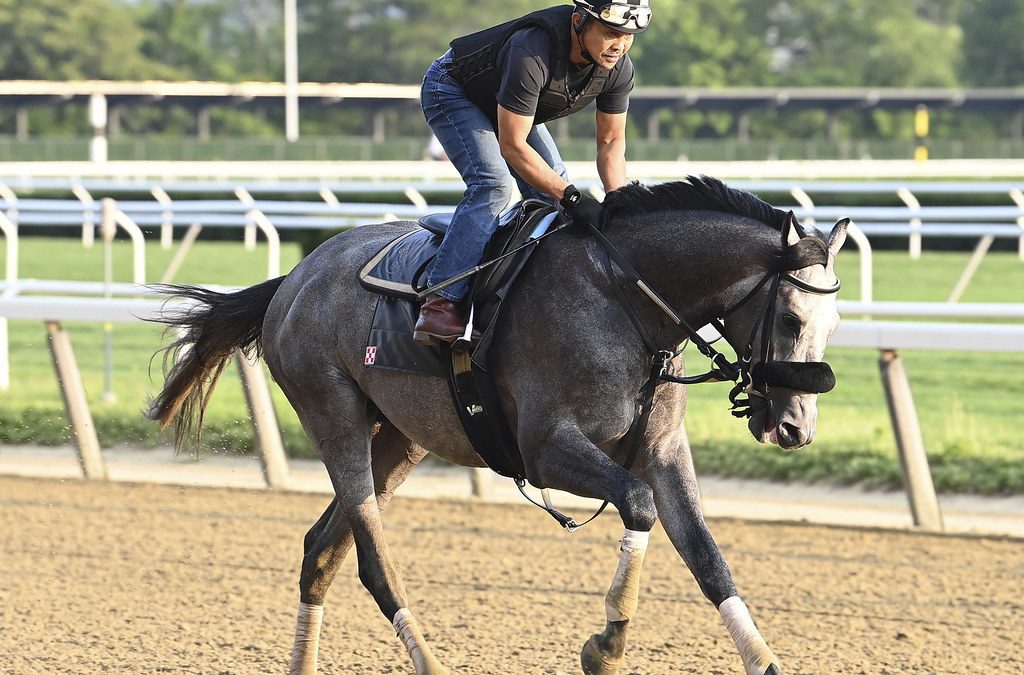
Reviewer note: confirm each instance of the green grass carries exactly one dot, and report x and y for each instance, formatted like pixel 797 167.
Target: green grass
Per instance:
pixel 970 404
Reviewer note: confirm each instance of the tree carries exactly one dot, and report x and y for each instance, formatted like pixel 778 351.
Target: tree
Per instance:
pixel 389 40
pixel 80 40
pixel 993 43
pixel 861 43
pixel 701 43
pixel 187 38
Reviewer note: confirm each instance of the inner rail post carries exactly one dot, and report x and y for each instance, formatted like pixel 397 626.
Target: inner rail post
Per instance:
pixel 88 214
pixel 10 230
pixel 915 222
pixel 264 421
pixel 1018 198
pixel 924 505
pixel 167 226
pixel 75 402
pixel 249 235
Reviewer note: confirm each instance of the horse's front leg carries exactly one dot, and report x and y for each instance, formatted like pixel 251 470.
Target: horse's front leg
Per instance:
pixel 676 495
pixel 603 653
pixel 566 460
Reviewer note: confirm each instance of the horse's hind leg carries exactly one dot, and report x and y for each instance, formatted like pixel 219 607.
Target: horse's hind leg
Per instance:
pixel 364 476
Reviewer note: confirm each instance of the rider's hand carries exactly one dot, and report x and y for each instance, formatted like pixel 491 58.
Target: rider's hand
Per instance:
pixel 581 207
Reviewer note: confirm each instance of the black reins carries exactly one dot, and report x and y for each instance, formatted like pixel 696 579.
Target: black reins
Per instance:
pixel 816 377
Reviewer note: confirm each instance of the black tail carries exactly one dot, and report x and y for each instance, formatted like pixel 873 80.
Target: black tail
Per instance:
pixel 213 328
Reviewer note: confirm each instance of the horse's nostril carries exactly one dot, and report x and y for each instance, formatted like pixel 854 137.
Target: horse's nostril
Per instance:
pixel 791 432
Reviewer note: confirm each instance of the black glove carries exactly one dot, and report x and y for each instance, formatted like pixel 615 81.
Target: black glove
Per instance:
pixel 582 208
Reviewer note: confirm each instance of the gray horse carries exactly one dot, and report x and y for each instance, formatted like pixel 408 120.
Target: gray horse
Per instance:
pixel 568 362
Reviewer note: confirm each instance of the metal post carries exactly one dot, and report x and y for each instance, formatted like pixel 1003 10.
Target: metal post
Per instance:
pixel 21 123
pixel 291 71
pixel 1018 198
pixel 743 127
pixel 924 506
pixel 9 229
pixel 75 402
pixel 88 214
pixel 866 261
pixel 108 227
pixel 179 256
pixel 264 422
pixel 167 224
pixel 972 266
pixel 98 120
pixel 482 481
pixel 203 123
pixel 915 222
pixel 249 233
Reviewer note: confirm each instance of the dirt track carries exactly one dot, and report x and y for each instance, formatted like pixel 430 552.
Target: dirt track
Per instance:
pixel 142 579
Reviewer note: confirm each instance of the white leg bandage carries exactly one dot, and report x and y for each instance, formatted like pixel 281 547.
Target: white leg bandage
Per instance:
pixel 624 593
pixel 409 633
pixel 752 648
pixel 307 639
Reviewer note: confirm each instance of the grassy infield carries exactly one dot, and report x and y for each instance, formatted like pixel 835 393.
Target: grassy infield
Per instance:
pixel 970 405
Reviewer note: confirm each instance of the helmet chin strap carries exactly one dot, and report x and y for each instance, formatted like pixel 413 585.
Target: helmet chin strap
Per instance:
pixel 578 29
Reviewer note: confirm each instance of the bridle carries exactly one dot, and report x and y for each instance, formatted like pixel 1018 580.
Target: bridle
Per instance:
pixel 754 378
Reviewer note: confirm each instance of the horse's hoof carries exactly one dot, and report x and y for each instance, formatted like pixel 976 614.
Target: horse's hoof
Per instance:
pixel 774 669
pixel 596 663
pixel 434 667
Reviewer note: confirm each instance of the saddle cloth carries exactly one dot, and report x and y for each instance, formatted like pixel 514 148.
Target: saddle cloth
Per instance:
pixel 398 274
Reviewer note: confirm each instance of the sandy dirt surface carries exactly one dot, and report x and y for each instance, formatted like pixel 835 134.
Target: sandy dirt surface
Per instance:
pixel 108 577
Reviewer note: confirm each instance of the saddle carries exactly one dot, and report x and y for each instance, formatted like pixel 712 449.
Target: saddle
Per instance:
pixel 398 272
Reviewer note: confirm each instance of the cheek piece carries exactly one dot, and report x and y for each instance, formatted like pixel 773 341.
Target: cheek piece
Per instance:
pixel 815 377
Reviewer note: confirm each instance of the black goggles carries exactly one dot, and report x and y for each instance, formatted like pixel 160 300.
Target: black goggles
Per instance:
pixel 619 14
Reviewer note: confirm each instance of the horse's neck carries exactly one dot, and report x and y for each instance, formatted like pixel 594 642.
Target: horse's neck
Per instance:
pixel 693 260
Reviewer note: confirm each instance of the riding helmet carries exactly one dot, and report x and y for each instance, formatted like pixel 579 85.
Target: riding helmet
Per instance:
pixel 625 16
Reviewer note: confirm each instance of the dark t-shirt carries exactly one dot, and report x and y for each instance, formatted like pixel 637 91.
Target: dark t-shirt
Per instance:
pixel 526 62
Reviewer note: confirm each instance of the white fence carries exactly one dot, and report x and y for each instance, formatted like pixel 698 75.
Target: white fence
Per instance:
pixel 331 184
pixel 887 337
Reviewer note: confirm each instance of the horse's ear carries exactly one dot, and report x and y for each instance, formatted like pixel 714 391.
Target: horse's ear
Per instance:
pixel 796 233
pixel 837 236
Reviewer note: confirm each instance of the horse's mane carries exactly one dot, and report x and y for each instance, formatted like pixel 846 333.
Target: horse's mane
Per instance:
pixel 692 194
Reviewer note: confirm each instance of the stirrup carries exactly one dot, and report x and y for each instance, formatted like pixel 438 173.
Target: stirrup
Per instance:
pixel 465 341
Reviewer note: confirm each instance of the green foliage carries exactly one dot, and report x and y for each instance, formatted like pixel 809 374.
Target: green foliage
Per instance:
pixel 184 37
pixel 80 40
pixel 860 43
pixel 706 43
pixel 993 48
pixel 701 43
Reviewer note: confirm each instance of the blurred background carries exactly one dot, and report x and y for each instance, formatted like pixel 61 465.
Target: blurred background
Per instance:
pixel 845 65
pixel 209 123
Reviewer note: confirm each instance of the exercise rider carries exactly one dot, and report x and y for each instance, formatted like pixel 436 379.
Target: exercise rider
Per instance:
pixel 487 100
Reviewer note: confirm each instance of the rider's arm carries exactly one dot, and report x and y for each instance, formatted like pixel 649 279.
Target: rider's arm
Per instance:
pixel 513 129
pixel 611 149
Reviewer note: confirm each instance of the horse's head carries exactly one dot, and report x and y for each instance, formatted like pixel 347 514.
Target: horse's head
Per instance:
pixel 783 329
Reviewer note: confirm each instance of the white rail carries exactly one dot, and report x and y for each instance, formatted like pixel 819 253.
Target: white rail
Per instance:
pixel 54 310
pixel 22 173
pixel 886 336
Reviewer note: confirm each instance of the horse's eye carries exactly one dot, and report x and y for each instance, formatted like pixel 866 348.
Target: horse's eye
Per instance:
pixel 791 321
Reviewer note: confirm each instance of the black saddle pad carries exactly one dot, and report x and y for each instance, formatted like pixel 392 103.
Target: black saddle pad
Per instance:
pixel 398 273
pixel 398 269
pixel 390 345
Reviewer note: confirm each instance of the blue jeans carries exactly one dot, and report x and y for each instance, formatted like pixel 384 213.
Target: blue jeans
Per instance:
pixel 471 144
